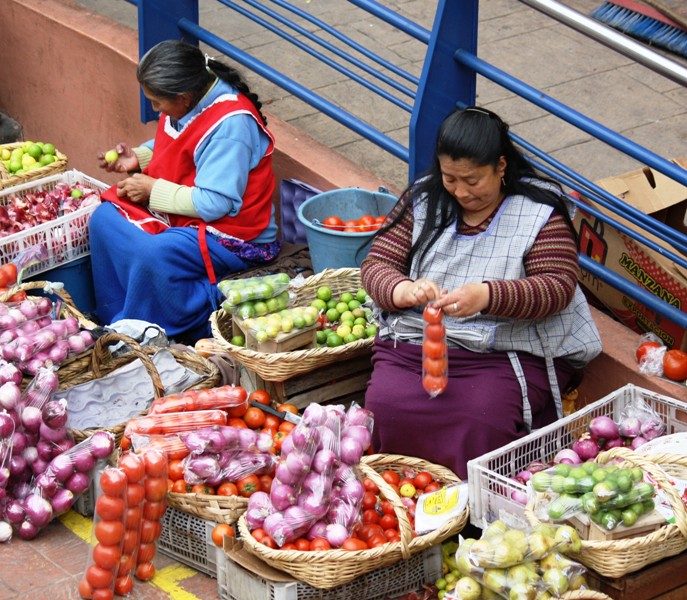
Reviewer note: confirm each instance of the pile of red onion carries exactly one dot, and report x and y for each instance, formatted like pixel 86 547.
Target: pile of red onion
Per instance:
pixel 23 211
pixel 315 491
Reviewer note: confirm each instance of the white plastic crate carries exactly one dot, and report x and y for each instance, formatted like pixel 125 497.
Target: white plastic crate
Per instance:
pixel 490 486
pixel 236 583
pixel 188 539
pixel 66 238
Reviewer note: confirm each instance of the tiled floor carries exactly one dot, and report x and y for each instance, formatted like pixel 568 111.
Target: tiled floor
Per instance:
pixel 51 565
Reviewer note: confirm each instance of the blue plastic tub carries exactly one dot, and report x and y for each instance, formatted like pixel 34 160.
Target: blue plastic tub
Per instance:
pixel 331 249
pixel 78 281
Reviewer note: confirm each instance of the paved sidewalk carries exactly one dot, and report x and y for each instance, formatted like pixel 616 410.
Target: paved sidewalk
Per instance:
pixel 594 80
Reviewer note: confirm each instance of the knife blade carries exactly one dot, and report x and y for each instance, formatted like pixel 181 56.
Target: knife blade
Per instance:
pixel 283 415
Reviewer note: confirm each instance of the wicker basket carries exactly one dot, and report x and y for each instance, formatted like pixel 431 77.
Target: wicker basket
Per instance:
pixel 220 509
pixel 326 570
pixel 280 366
pixel 100 362
pixel 8 180
pixel 585 595
pixel 615 558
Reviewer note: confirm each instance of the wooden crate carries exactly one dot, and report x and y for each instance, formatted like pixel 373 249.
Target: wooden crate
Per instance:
pixel 296 339
pixel 340 383
pixel 589 530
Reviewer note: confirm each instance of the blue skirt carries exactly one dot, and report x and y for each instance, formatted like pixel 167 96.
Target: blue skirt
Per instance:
pixel 159 278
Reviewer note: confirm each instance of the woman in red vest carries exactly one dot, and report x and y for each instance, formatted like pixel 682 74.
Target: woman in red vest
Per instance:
pixel 196 202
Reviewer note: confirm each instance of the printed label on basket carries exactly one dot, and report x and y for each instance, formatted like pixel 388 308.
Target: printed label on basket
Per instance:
pixel 436 508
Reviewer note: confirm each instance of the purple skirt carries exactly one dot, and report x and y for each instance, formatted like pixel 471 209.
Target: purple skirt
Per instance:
pixel 480 411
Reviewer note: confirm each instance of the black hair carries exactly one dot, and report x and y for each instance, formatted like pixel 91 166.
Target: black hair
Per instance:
pixel 175 67
pixel 481 136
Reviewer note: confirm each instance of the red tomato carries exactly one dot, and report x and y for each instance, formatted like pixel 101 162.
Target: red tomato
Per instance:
pixel 150 531
pixel 352 226
pixel 227 489
pixel 145 571
pixel 154 510
pixel 389 522
pixel 434 349
pixel 109 508
pixel 269 542
pixel 155 489
pixel 287 407
pixel 258 533
pixel 370 515
pixel 113 482
pixel 265 483
pixel 369 530
pixel 380 219
pixel 422 480
pixel 85 589
pixel 367 223
pixel 237 411
pixel 388 508
pixel 369 500
pixel 377 540
pixel 202 488
pixel 432 314
pixel 271 422
pixel 219 531
pixel 237 421
pixel 644 347
pixel 135 492
pixel 333 222
pixel 109 533
pixel 278 438
pixel 302 544
pixel 133 465
pixel 354 544
pixel 434 384
pixel 261 397
pixel 123 585
pixel 370 485
pixel 146 552
pixel 286 426
pixel 254 417
pixel 129 544
pixel 107 557
pixel 435 366
pixel 675 365
pixel 391 477
pixel 155 464
pixel 248 485
pixel 133 517
pixel 320 544
pixel 9 274
pixel 432 487
pixel 127 563
pixel 175 469
pixel 435 331
pixel 182 487
pixel 98 577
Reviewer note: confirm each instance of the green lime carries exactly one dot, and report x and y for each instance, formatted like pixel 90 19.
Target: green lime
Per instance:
pixel 319 304
pixel 260 308
pixel 371 331
pixel 342 307
pixel 238 340
pixel 353 304
pixel 331 303
pixel 48 149
pixel 332 315
pixel 299 322
pixel 346 297
pixel 541 481
pixel 321 336
pixel 629 517
pixel 558 483
pixel 561 469
pixel 360 321
pixel 76 193
pixel 324 293
pixel 347 315
pixel 35 151
pixel 334 340
pixel 361 296
pixel 246 310
pixel 350 338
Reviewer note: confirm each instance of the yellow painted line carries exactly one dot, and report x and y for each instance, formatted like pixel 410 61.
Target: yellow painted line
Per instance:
pixel 78 524
pixel 168 579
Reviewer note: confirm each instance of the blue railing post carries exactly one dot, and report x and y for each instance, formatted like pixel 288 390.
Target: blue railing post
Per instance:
pixel 444 83
pixel 158 21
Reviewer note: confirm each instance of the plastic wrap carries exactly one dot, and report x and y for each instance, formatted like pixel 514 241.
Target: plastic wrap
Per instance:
pixel 107 538
pixel 434 352
pixel 224 397
pixel 238 291
pixel 6 433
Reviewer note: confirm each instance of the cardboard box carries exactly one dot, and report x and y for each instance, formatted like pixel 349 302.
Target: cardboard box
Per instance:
pixel 664 199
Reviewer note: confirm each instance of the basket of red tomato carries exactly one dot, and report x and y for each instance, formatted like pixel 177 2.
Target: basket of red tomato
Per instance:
pixel 385 530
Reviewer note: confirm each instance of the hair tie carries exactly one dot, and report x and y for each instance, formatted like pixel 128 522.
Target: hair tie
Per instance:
pixel 207 63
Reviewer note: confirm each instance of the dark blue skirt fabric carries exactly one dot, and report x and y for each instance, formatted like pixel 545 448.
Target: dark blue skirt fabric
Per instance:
pixel 159 278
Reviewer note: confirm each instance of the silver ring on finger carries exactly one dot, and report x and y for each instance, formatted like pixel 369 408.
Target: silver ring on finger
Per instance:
pixel 455 307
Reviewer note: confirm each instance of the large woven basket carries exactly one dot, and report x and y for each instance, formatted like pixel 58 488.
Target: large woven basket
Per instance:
pixel 101 362
pixel 331 568
pixel 220 509
pixel 616 558
pixel 280 366
pixel 7 179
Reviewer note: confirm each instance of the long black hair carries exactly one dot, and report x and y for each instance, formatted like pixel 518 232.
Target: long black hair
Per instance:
pixel 481 136
pixel 174 67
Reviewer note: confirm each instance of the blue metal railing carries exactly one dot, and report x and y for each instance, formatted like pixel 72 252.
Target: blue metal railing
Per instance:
pixel 448 80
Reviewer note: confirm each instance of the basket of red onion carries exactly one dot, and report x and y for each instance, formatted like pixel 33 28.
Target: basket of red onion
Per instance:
pixel 317 495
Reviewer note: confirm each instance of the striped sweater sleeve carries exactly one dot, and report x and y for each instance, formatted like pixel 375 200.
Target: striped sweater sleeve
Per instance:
pixel 551 269
pixel 386 264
